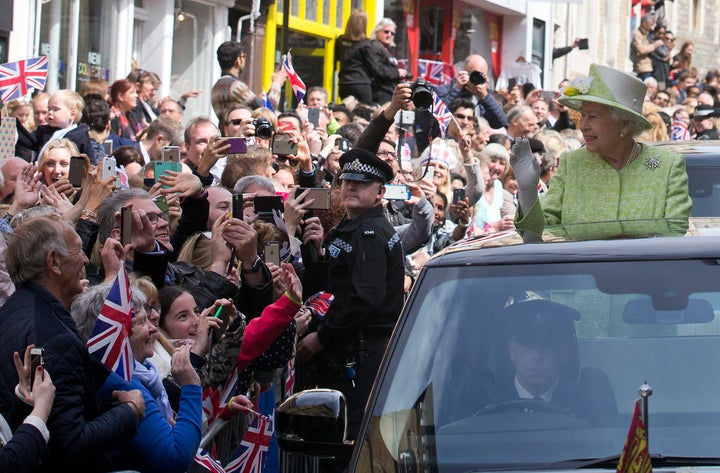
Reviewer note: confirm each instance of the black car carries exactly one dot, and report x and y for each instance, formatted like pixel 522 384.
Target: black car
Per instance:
pixel 616 305
pixel 702 161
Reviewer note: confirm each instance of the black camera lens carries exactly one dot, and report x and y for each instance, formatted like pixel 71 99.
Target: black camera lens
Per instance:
pixel 421 94
pixel 263 128
pixel 477 78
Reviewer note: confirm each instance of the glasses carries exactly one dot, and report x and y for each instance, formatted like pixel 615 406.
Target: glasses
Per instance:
pixel 460 116
pixel 149 308
pixel 153 217
pixel 390 32
pixel 285 159
pixel 392 154
pixel 235 121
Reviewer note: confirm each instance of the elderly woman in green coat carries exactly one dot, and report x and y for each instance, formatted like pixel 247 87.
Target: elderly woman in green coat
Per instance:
pixel 612 177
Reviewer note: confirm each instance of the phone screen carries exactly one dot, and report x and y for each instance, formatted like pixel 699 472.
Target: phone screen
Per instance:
pixel 125 225
pixel 314 116
pixel 282 145
pixel 36 359
pixel 458 195
pixel 76 171
pixel 237 206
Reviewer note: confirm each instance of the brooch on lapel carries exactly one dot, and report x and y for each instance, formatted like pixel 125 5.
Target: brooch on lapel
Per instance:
pixel 652 162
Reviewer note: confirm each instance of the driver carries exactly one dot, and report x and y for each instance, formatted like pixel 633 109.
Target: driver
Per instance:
pixel 541 346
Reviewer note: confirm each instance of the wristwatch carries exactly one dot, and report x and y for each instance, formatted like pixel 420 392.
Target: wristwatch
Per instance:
pixel 256 266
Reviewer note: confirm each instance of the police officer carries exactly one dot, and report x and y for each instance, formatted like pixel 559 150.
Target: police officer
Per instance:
pixel 361 264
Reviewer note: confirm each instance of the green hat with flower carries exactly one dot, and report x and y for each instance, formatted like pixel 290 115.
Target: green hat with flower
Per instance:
pixel 607 86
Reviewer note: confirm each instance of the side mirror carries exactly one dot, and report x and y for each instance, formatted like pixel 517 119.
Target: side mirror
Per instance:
pixel 314 422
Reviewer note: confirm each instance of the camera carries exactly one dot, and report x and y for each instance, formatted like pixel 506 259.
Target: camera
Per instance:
pixel 263 128
pixel 421 94
pixel 477 78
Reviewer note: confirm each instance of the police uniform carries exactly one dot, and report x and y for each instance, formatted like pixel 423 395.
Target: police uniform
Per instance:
pixel 363 269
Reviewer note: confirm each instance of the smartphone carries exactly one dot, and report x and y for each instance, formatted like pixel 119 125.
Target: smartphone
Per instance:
pixel 268 203
pixel 161 202
pixel 396 192
pixel 171 154
pixel 314 116
pixel 271 252
pixel 343 144
pixel 547 94
pixel 77 171
pixel 36 359
pixel 162 166
pixel 125 225
pixel 238 145
pixel 320 197
pixel 583 44
pixel 224 317
pixel 458 195
pixel 108 147
pixel 282 145
pixel 429 174
pixel 237 206
pixel 108 168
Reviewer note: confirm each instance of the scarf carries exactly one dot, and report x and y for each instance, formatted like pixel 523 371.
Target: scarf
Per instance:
pixel 148 377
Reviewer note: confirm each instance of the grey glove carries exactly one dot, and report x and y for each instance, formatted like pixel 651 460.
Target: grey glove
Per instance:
pixel 527 173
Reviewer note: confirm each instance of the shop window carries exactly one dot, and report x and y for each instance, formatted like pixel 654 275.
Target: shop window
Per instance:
pixel 307 58
pixel 98 22
pixel 538 47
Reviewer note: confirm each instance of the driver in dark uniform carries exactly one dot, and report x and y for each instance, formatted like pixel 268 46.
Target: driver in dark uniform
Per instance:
pixel 544 363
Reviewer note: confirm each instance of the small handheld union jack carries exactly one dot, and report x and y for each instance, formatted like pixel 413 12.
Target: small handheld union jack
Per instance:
pixel 441 114
pixel 298 85
pixel 18 78
pixel 109 341
pixel 251 454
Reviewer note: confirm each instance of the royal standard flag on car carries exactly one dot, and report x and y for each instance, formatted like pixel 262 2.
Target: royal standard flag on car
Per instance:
pixel 635 457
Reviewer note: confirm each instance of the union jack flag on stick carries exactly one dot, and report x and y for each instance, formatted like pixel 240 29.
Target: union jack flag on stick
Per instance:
pixel 251 454
pixel 441 114
pixel 18 78
pixel 298 85
pixel 206 460
pixel 109 341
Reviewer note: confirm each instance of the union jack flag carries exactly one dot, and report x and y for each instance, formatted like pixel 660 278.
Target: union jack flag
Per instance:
pixel 215 400
pixel 266 101
pixel 441 114
pixel 319 303
pixel 679 131
pixel 289 378
pixel 17 78
pixel 109 341
pixel 251 454
pixel 435 72
pixel 205 459
pixel 298 85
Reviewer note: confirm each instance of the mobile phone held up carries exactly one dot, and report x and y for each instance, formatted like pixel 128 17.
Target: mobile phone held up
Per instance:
pixel 237 206
pixel 314 116
pixel 125 225
pixel 320 197
pixel 458 195
pixel 76 171
pixel 282 145
pixel 224 317
pixel 271 252
pixel 396 192
pixel 36 359
pixel 238 145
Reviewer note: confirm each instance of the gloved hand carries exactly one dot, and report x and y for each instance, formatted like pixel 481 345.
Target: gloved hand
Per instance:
pixel 527 173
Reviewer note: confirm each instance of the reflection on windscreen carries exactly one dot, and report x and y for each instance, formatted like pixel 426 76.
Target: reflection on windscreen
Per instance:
pixel 704 187
pixel 518 365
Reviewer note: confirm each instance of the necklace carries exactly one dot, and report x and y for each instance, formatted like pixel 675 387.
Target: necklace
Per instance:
pixel 634 153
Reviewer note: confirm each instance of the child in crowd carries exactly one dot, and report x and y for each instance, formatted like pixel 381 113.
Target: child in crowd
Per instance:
pixel 64 113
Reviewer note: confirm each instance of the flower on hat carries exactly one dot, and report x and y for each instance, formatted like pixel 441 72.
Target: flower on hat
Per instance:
pixel 578 86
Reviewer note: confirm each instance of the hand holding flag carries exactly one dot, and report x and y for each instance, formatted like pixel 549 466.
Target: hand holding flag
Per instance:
pixel 298 85
pixel 18 78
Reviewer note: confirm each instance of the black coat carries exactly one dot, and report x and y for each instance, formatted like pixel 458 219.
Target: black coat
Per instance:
pixel 80 436
pixel 37 139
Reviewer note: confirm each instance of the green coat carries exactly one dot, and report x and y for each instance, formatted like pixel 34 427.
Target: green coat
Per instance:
pixel 588 189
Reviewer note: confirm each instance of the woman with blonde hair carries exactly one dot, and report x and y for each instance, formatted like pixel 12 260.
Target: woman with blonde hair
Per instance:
pixel 54 162
pixel 351 49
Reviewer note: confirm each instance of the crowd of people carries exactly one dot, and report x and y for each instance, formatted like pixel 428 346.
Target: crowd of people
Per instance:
pixel 213 215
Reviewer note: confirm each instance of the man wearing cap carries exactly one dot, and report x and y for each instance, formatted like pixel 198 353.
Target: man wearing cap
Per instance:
pixel 704 122
pixel 360 262
pixel 542 350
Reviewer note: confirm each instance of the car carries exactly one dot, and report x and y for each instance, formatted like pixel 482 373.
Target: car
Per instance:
pixel 619 305
pixel 702 162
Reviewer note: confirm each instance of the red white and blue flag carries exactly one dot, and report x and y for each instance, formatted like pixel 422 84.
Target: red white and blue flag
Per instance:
pixel 289 381
pixel 216 400
pixel 109 341
pixel 19 78
pixel 298 85
pixel 206 460
pixel 266 101
pixel 441 113
pixel 251 454
pixel 435 72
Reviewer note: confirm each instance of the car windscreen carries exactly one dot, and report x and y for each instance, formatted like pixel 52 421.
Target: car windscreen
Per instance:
pixel 468 384
pixel 704 189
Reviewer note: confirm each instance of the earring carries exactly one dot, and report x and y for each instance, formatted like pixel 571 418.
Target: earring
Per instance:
pixel 622 135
